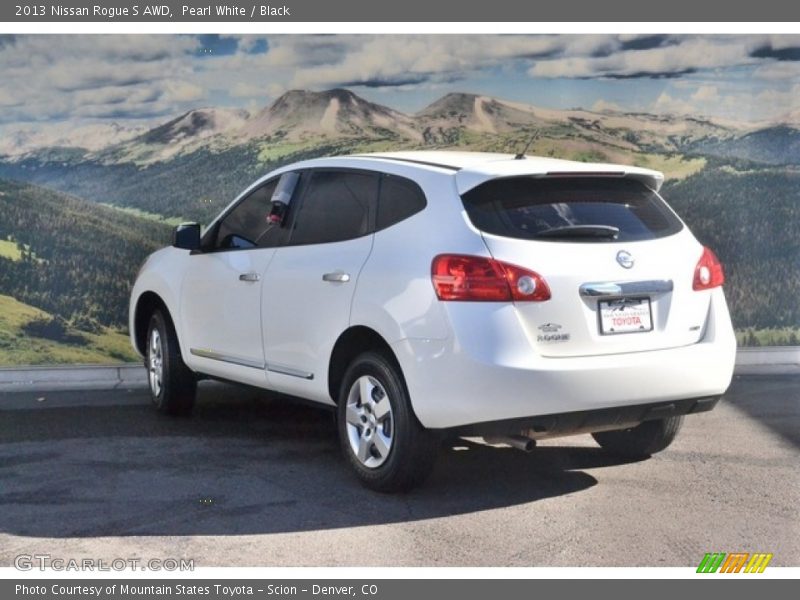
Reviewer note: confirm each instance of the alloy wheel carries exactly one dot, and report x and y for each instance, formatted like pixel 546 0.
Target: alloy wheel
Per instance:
pixel 155 363
pixel 370 423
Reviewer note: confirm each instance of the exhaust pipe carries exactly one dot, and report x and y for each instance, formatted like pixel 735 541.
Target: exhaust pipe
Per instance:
pixel 520 442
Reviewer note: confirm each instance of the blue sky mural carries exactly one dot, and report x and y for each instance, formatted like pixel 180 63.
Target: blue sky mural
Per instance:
pixel 145 78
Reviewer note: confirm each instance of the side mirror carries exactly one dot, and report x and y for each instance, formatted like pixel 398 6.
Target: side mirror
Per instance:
pixel 186 236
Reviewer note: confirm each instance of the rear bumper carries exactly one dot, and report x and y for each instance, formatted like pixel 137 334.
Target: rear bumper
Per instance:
pixel 586 421
pixel 460 382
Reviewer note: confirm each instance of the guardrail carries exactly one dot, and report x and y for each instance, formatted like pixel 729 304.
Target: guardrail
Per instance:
pixel 769 360
pixel 72 377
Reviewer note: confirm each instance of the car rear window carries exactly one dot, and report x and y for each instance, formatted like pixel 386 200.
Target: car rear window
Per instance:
pixel 582 209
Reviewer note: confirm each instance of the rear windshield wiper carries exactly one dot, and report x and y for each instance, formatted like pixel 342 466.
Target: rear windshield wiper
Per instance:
pixel 575 231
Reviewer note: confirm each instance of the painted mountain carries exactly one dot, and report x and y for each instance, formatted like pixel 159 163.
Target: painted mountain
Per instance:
pixel 738 187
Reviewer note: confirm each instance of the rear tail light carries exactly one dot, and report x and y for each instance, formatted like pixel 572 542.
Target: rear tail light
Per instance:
pixel 474 278
pixel 708 272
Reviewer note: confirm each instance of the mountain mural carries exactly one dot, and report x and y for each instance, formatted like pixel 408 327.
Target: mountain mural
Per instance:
pixel 299 114
pixel 193 164
pixel 339 114
pixel 737 185
pixel 777 145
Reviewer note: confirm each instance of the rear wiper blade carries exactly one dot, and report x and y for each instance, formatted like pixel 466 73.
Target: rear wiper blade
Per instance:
pixel 572 231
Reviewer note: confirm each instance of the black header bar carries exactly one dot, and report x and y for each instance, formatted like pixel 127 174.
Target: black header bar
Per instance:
pixel 453 11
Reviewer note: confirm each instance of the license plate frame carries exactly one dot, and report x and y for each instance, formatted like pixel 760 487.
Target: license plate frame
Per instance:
pixel 620 316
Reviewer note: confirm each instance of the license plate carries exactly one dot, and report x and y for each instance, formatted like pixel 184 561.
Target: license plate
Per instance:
pixel 625 315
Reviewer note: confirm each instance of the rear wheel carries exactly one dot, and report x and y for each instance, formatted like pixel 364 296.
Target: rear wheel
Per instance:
pixel 381 438
pixel 645 439
pixel 173 386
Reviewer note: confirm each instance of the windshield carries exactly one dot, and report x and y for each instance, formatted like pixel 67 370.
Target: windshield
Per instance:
pixel 583 209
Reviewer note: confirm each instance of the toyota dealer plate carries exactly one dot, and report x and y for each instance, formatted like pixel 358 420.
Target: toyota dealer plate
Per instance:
pixel 625 315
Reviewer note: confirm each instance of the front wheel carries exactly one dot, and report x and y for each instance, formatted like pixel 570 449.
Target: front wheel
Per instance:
pixel 645 439
pixel 381 438
pixel 173 386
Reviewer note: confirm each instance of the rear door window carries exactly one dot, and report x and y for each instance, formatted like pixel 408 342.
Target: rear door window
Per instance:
pixel 577 209
pixel 336 206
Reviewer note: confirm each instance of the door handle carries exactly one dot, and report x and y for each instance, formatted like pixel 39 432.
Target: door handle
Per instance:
pixel 336 276
pixel 249 277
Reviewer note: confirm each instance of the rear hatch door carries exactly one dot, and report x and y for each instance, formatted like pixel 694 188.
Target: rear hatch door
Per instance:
pixel 618 261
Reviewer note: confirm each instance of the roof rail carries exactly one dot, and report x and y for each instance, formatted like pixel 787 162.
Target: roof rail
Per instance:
pixel 408 160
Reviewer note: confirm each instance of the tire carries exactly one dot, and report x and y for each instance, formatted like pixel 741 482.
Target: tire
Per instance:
pixel 381 438
pixel 173 386
pixel 645 439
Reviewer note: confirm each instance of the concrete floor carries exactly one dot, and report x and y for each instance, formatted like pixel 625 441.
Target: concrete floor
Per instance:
pixel 250 480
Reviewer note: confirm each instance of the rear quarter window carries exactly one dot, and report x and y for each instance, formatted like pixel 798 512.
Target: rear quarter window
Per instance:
pixel 582 209
pixel 399 198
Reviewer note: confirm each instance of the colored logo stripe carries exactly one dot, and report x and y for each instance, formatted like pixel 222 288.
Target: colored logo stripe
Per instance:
pixel 734 562
pixel 758 562
pixel 711 562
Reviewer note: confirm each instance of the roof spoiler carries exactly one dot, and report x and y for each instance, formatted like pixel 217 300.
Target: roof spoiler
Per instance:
pixel 652 179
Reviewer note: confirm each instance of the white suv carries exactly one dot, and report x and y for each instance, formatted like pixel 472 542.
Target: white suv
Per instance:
pixel 423 293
